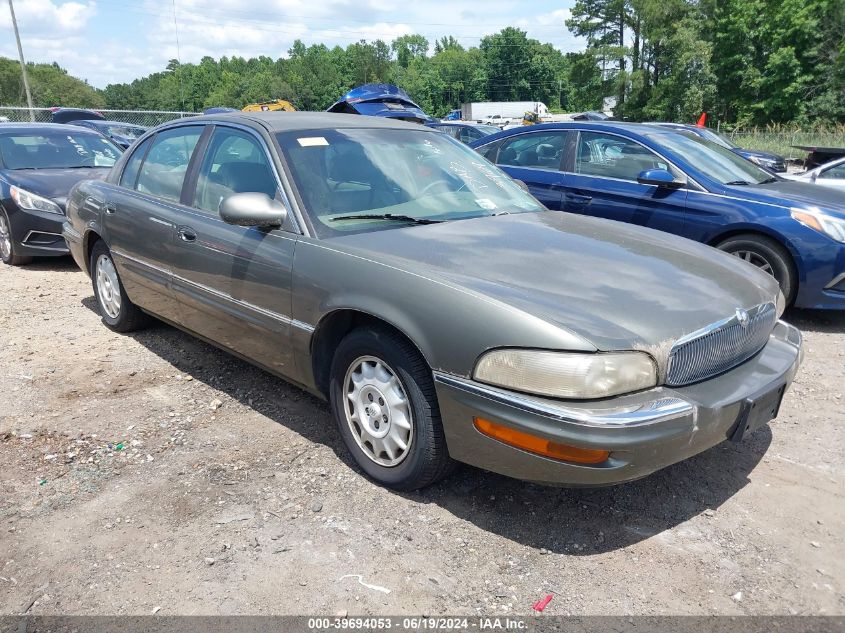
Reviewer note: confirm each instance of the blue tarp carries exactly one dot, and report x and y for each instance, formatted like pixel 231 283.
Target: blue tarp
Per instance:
pixel 385 100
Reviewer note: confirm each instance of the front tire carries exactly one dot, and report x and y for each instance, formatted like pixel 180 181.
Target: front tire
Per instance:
pixel 117 311
pixel 7 244
pixel 769 256
pixel 383 400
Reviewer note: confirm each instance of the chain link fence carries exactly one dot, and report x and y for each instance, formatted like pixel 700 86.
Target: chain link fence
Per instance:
pixel 147 118
pixel 783 141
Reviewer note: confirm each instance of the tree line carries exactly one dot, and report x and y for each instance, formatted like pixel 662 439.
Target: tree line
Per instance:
pixel 746 62
pixel 749 62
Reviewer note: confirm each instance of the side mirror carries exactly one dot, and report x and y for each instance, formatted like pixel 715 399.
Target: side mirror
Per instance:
pixel 659 178
pixel 252 209
pixel 522 185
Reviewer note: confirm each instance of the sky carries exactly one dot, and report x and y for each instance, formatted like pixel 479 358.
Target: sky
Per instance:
pixel 113 41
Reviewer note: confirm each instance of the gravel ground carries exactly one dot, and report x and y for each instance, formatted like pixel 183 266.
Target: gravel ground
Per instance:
pixel 152 472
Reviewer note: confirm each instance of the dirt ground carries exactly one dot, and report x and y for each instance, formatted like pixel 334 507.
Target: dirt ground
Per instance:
pixel 154 473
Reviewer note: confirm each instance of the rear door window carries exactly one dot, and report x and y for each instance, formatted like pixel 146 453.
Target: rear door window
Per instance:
pixel 540 150
pixel 163 171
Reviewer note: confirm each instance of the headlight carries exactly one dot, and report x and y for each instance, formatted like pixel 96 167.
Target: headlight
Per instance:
pixel 821 222
pixel 567 374
pixel 33 202
pixel 763 162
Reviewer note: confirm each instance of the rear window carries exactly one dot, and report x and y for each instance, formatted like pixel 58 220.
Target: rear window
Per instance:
pixel 56 150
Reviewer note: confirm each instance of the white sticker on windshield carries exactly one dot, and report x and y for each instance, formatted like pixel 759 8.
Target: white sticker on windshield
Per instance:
pixel 485 203
pixel 312 141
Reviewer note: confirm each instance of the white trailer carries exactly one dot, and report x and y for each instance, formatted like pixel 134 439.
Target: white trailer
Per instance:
pixel 500 112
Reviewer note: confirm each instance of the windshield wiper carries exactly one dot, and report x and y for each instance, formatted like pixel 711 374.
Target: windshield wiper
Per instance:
pixel 769 180
pixel 386 216
pixel 738 182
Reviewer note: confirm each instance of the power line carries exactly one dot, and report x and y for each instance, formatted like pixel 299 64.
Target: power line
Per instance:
pixel 178 58
pixel 331 34
pixel 274 16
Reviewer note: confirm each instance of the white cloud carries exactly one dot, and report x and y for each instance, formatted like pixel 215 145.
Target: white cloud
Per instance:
pixel 64 32
pixel 45 17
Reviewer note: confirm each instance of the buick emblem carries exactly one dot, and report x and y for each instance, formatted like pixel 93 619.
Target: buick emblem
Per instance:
pixel 742 317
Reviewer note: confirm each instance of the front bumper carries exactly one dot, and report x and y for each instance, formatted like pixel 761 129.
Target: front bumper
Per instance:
pixel 822 268
pixel 37 233
pixel 644 432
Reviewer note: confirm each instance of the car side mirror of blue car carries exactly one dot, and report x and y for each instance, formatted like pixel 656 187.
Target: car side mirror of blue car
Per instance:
pixel 659 178
pixel 252 209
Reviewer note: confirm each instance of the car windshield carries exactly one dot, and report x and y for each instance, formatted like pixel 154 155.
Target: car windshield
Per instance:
pixel 56 150
pixel 126 131
pixel 487 129
pixel 716 137
pixel 714 161
pixel 401 176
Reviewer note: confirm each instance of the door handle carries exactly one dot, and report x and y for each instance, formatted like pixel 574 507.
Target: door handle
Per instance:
pixel 187 234
pixel 110 207
pixel 571 197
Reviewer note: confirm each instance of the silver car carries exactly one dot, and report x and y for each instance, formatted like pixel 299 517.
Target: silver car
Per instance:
pixel 445 314
pixel 830 174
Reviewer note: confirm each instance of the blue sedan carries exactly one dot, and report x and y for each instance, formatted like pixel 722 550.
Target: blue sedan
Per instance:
pixel 680 183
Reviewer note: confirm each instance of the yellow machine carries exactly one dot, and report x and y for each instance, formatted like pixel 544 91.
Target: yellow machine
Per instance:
pixel 271 106
pixel 530 118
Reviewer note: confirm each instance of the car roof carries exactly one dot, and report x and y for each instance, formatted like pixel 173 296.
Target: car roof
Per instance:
pixel 619 126
pixel 469 123
pixel 103 122
pixel 37 127
pixel 672 124
pixel 293 121
pixel 641 129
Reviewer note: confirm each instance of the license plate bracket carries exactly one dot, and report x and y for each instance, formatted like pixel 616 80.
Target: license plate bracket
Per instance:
pixel 757 411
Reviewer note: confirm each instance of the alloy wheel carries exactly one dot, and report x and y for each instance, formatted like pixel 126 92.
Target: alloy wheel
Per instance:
pixel 108 286
pixel 378 411
pixel 5 238
pixel 755 258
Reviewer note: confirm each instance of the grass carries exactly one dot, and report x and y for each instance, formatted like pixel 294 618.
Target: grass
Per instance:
pixel 781 139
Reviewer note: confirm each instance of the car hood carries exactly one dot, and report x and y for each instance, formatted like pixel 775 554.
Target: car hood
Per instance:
pixel 789 193
pixel 53 183
pixel 748 153
pixel 617 285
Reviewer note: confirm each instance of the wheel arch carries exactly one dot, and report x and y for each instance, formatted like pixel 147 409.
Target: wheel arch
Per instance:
pixel 331 329
pixel 761 231
pixel 90 238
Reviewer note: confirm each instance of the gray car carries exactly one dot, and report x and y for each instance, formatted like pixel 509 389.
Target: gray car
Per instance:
pixel 443 312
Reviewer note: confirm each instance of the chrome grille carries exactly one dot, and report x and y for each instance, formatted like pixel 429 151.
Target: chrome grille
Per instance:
pixel 720 346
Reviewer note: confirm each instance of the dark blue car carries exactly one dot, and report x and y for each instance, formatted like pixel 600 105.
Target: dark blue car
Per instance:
pixel 680 183
pixel 465 132
pixel 772 162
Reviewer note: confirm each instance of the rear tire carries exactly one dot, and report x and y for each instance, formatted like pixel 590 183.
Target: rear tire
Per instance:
pixel 383 399
pixel 768 255
pixel 7 244
pixel 115 308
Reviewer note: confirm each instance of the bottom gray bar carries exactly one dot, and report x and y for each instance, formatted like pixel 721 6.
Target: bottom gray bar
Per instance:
pixel 310 624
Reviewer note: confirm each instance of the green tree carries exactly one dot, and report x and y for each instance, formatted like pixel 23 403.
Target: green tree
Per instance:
pixel 409 47
pixel 50 85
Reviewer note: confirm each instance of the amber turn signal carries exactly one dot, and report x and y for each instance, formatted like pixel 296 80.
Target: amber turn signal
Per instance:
pixel 539 445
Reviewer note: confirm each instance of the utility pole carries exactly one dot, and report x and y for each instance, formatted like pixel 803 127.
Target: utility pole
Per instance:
pixel 23 63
